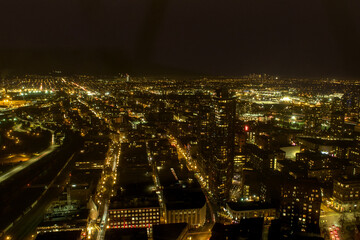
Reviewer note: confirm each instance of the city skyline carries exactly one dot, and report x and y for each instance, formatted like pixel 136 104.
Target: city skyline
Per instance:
pixel 180 119
pixel 260 156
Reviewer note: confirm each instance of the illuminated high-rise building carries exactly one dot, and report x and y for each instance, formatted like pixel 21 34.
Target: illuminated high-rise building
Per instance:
pixel 337 117
pixel 205 136
pixel 223 134
pixel 337 123
pixel 313 120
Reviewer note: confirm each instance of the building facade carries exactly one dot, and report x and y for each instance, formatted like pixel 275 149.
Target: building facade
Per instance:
pixel 300 204
pixel 313 120
pixel 134 217
pixel 346 195
pixel 194 217
pixel 337 123
pixel 251 210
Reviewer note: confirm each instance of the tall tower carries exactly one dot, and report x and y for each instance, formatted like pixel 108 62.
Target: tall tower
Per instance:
pixel 222 162
pixel 337 118
pixel 205 139
pixel 337 123
pixel 313 119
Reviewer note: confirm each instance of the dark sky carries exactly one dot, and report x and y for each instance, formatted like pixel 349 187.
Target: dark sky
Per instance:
pixel 223 37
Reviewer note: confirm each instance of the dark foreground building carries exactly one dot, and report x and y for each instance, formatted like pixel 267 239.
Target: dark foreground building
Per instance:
pixel 300 205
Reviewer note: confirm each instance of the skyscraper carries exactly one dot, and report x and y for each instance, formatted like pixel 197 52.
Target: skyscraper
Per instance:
pixel 222 160
pixel 337 117
pixel 337 123
pixel 313 119
pixel 205 136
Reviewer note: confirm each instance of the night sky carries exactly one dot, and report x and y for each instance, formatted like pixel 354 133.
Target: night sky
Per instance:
pixel 225 37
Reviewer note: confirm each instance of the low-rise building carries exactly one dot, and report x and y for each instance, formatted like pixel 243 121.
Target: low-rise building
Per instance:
pixel 64 215
pixel 184 200
pixel 243 210
pixel 185 206
pixel 136 202
pixel 346 195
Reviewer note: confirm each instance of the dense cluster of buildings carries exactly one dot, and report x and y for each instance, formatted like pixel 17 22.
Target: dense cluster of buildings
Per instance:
pixel 252 157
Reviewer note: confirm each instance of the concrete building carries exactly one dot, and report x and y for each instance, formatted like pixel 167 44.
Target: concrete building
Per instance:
pixel 242 210
pixel 195 216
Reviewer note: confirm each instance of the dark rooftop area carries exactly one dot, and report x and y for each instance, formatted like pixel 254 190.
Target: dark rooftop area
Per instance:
pixel 326 142
pixel 126 234
pixel 243 206
pixel 178 198
pixel 133 154
pixel 136 189
pixel 247 229
pixel 175 175
pixel 169 231
pixel 68 235
pixel 349 179
pixel 86 176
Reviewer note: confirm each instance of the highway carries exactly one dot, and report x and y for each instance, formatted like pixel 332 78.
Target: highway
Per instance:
pixel 15 158
pixel 5 176
pixel 30 191
pixel 24 227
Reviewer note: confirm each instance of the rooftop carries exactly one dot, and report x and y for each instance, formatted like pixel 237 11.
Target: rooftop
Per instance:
pixel 68 235
pixel 182 198
pixel 136 189
pixel 126 234
pixel 349 179
pixel 328 142
pixel 243 206
pixel 169 231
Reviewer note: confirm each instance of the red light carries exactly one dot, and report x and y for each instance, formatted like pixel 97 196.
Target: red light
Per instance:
pixel 246 128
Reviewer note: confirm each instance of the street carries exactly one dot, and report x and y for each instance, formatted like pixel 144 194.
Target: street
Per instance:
pixel 336 225
pixel 24 227
pixel 26 164
pixel 105 189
